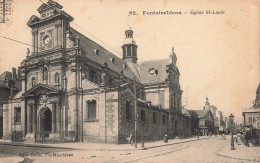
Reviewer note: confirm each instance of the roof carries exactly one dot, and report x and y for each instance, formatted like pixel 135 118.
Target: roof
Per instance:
pixel 202 113
pixel 185 112
pixel 153 71
pixel 6 75
pixel 3 84
pixel 104 56
pixel 258 89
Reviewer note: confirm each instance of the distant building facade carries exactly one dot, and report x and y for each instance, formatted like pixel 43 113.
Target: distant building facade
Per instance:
pixel 206 119
pixel 74 89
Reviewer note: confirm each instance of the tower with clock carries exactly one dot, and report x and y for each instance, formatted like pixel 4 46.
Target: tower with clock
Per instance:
pixel 48 30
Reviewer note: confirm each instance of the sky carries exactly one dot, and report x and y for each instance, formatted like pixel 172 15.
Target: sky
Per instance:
pixel 218 54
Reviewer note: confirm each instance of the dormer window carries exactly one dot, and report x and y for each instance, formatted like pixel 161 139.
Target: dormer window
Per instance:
pixel 96 51
pixel 153 72
pixel 112 59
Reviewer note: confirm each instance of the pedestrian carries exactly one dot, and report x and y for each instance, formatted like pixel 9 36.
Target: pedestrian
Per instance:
pixel 165 139
pixel 247 137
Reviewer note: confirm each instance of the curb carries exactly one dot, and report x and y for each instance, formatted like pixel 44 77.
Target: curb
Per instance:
pixel 244 159
pixel 173 143
pixel 47 146
pixel 235 158
pixel 32 145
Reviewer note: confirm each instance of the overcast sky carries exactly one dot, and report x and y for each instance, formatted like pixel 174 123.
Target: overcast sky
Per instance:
pixel 218 55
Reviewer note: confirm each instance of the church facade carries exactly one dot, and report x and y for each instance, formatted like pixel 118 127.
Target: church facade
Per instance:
pixel 75 90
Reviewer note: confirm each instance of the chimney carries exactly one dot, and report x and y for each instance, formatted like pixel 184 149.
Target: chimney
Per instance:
pixel 14 76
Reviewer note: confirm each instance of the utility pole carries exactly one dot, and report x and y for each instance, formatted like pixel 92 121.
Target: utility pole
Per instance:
pixel 135 107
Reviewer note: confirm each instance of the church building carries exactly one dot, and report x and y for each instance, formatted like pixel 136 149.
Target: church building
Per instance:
pixel 75 90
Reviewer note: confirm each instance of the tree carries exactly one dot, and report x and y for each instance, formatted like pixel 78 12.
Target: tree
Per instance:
pixel 194 121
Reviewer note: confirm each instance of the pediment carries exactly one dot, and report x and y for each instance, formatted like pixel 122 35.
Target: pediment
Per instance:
pixel 42 89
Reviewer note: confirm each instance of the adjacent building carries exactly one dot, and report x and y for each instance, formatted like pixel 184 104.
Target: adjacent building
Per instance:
pixel 9 86
pixel 252 118
pixel 73 89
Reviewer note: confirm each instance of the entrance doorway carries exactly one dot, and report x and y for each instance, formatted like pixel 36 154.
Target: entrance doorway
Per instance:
pixel 46 120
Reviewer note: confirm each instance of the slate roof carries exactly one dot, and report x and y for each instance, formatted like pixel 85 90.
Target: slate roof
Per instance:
pixel 6 76
pixel 3 84
pixel 158 65
pixel 104 55
pixel 202 113
pixel 185 112
pixel 258 89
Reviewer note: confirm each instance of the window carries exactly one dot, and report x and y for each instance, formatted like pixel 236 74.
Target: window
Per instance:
pixel 33 81
pixel 154 117
pixel 91 110
pixel 57 78
pixel 110 82
pixel 17 115
pixel 128 110
pixel 45 74
pixel 128 50
pixel 92 76
pixel 164 119
pixel 142 115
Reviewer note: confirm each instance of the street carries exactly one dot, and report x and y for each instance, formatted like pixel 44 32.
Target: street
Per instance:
pixel 205 150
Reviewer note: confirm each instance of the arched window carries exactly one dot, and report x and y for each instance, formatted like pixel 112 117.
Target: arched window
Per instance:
pixel 45 74
pixel 33 81
pixel 57 78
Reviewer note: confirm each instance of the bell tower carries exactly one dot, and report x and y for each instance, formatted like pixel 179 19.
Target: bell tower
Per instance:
pixel 129 47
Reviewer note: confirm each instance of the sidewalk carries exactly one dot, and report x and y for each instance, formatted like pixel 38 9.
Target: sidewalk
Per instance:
pixel 241 152
pixel 104 147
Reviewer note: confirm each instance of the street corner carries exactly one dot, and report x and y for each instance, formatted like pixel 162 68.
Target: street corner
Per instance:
pixel 241 152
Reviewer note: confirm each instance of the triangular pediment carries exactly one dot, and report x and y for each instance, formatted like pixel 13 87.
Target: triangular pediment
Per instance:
pixel 42 89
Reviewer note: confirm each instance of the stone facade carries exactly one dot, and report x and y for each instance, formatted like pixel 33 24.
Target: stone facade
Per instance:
pixel 75 90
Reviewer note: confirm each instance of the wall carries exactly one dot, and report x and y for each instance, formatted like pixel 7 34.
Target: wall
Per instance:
pixel 151 131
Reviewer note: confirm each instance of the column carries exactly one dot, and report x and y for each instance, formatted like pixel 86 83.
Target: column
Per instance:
pixel 61 113
pixel 29 119
pixel 34 122
pixel 58 117
pixel 53 119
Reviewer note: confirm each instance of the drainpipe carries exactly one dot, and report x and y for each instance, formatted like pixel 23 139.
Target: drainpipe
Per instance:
pixel 135 107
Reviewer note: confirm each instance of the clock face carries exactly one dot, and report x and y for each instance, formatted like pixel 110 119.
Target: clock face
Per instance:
pixel 46 40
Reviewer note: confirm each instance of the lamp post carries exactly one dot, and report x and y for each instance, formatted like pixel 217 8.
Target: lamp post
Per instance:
pixel 231 118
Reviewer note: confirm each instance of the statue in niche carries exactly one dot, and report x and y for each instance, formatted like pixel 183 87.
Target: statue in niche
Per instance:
pixel 45 74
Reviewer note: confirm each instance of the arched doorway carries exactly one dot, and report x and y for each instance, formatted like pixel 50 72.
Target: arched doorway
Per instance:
pixel 46 121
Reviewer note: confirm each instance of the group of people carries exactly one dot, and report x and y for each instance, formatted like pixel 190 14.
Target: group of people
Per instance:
pixel 246 138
